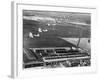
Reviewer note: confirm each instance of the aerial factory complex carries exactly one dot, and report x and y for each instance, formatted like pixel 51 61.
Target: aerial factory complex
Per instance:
pixel 56 39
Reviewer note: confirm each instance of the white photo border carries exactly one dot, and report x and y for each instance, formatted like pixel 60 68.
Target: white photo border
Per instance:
pixel 17 58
